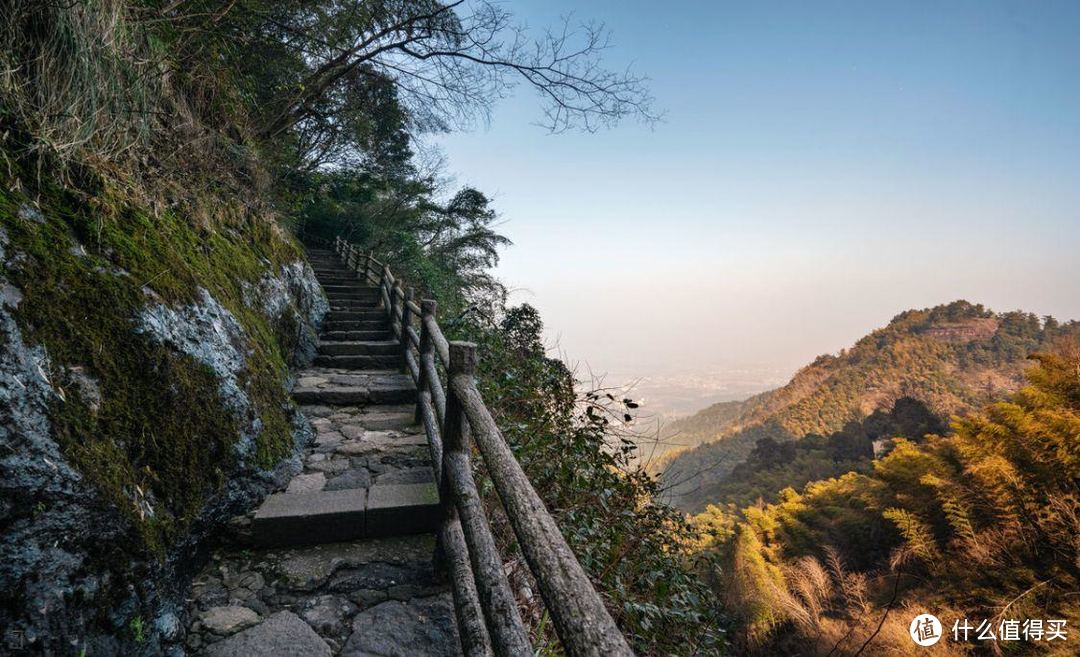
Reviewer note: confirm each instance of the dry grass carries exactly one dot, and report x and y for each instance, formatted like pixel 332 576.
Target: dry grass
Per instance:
pixel 78 79
pixel 88 91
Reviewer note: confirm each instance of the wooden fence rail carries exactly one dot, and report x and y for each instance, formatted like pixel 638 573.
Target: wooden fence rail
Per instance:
pixel 452 412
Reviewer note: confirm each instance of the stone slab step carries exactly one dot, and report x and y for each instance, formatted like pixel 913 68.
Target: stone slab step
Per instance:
pixel 347 286
pixel 350 292
pixel 360 348
pixel 332 419
pixel 358 334
pixel 356 325
pixel 322 517
pixel 394 509
pixel 354 304
pixel 339 387
pixel 332 516
pixel 355 315
pixel 359 362
pixel 352 301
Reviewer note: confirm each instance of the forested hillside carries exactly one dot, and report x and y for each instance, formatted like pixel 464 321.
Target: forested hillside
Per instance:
pixel 950 358
pixel 979 527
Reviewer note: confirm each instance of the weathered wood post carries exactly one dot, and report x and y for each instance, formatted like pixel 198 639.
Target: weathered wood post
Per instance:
pixel 461 502
pixel 384 287
pixel 406 323
pixel 356 266
pixel 424 352
pixel 395 306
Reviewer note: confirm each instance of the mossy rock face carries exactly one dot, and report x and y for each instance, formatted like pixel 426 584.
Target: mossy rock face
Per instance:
pixel 155 418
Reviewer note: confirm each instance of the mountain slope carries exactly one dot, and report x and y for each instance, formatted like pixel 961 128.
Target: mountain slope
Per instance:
pixel 952 358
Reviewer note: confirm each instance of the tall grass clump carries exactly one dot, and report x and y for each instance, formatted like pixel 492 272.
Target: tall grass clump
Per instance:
pixel 78 83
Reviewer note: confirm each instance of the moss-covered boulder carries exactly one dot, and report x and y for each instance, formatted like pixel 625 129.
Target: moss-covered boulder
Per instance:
pixel 144 376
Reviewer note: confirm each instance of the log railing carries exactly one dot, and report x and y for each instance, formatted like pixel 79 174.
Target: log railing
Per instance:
pixel 452 412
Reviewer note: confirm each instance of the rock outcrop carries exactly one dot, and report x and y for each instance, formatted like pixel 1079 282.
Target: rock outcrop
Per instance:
pixel 104 371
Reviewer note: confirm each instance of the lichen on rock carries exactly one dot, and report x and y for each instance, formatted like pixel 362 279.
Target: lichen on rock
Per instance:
pixel 143 402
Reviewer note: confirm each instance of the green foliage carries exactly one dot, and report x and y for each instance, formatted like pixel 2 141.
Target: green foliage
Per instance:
pixel 773 466
pixel 138 629
pixel 974 521
pixel 579 457
pixel 444 248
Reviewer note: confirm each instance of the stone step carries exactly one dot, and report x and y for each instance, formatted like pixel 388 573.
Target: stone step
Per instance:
pixel 350 289
pixel 354 305
pixel 358 285
pixel 348 303
pixel 338 306
pixel 355 315
pixel 356 325
pixel 351 305
pixel 286 519
pixel 360 334
pixel 333 419
pixel 338 386
pixel 360 348
pixel 359 363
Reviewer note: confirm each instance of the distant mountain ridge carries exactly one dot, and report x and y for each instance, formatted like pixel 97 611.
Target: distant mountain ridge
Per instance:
pixel 951 358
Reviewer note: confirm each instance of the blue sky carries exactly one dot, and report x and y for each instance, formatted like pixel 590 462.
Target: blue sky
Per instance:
pixel 821 167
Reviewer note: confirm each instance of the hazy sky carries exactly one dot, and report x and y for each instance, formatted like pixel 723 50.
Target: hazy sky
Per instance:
pixel 822 166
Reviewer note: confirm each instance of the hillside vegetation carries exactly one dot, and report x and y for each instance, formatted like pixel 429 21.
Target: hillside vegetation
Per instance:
pixel 951 358
pixel 979 525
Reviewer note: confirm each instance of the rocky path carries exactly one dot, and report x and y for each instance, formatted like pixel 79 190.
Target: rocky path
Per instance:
pixel 340 562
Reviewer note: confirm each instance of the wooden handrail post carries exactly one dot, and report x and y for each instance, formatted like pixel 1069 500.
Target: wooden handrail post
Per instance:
pixel 384 283
pixel 406 322
pixel 426 351
pixel 460 500
pixel 395 305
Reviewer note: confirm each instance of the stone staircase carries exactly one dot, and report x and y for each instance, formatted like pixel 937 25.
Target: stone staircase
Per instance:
pixel 342 559
pixel 369 472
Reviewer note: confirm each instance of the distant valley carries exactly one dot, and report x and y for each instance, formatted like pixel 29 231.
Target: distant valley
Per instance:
pixel 680 394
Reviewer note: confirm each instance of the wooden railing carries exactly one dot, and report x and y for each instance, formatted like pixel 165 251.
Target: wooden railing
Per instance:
pixel 452 413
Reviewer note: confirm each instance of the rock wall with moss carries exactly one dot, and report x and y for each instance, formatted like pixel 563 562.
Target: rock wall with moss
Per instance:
pixel 144 377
